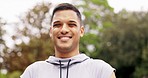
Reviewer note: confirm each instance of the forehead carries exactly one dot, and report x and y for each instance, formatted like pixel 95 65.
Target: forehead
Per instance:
pixel 65 15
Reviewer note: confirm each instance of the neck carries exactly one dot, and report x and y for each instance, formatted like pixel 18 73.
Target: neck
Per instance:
pixel 66 54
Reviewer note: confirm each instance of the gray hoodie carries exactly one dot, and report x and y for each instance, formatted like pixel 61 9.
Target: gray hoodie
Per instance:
pixel 79 66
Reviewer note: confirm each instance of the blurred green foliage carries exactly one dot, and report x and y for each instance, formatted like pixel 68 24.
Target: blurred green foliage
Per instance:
pixel 125 44
pixel 120 39
pixel 3 75
pixel 14 74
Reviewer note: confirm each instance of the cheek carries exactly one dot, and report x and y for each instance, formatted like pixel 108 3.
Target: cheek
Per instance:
pixel 77 33
pixel 55 31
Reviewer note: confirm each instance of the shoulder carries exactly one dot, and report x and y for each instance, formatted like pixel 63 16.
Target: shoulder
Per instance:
pixel 101 67
pixel 100 63
pixel 97 62
pixel 36 64
pixel 32 68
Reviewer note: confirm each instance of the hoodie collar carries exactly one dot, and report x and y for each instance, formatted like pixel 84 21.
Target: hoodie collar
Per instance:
pixel 73 60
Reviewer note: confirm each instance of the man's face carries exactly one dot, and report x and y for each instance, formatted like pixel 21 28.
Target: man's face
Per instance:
pixel 66 31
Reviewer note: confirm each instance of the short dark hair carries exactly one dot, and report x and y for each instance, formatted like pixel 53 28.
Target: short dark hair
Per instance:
pixel 66 6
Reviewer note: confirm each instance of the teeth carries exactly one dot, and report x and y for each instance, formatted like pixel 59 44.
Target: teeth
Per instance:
pixel 64 37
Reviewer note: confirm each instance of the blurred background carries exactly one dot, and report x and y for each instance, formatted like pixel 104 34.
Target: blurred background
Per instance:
pixel 115 32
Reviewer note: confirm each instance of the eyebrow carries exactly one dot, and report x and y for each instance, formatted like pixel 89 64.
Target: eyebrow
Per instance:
pixel 56 22
pixel 72 21
pixel 69 21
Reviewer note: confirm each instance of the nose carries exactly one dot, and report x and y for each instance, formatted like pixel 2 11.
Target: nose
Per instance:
pixel 64 29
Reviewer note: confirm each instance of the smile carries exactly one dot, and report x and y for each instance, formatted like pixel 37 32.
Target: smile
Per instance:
pixel 64 38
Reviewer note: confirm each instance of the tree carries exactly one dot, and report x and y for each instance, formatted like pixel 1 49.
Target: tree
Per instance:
pixel 35 41
pixel 2 42
pixel 92 14
pixel 124 45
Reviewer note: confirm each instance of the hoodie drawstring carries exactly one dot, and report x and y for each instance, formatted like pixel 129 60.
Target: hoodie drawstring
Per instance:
pixel 67 68
pixel 60 69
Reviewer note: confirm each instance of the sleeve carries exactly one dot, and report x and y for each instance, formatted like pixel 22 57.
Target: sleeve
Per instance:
pixel 107 70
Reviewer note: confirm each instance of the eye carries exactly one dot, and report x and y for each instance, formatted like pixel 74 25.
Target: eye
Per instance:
pixel 72 25
pixel 56 25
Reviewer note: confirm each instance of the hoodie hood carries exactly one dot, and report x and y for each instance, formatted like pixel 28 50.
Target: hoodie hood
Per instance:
pixel 63 62
pixel 66 62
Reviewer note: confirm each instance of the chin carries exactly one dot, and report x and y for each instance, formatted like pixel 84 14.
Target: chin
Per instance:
pixel 64 48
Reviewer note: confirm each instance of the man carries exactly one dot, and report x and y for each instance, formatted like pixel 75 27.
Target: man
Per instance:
pixel 65 32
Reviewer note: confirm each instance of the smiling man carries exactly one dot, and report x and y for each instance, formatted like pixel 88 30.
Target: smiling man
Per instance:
pixel 65 32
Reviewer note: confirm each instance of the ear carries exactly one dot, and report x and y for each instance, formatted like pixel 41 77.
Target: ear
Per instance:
pixel 82 31
pixel 50 31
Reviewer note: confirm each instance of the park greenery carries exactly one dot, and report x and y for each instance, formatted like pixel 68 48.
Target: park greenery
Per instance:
pixel 121 39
